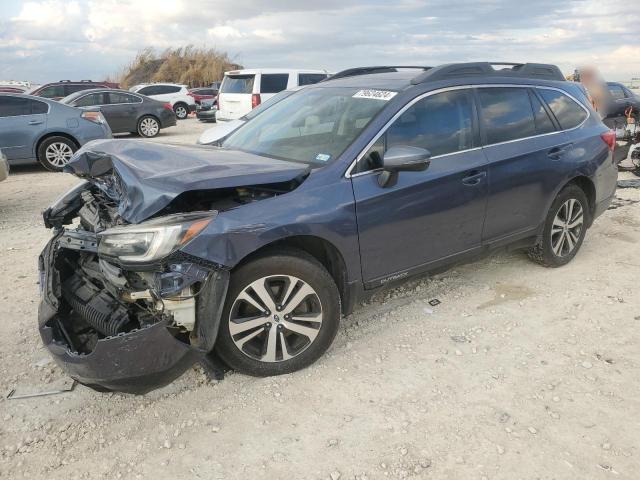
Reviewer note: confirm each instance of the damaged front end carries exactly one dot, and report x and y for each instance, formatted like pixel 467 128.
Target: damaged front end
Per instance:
pixel 122 308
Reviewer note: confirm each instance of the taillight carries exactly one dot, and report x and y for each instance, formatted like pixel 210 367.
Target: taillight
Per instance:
pixel 255 100
pixel 167 106
pixel 95 117
pixel 609 137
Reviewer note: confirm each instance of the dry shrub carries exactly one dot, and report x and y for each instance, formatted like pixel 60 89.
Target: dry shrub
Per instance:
pixel 195 67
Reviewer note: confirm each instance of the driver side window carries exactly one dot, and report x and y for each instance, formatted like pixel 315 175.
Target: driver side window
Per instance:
pixel 441 123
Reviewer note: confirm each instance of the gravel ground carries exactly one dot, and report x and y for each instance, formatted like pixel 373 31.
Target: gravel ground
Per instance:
pixel 521 372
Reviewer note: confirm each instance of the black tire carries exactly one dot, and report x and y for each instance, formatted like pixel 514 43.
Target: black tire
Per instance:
pixel 181 110
pixel 47 152
pixel 292 263
pixel 544 253
pixel 148 126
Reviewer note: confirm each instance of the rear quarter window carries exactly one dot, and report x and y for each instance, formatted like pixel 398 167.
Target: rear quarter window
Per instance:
pixel 310 78
pixel 568 113
pixel 273 82
pixel 14 106
pixel 237 84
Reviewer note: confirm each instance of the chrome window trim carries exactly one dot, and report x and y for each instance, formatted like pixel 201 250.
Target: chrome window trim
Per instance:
pixel 348 173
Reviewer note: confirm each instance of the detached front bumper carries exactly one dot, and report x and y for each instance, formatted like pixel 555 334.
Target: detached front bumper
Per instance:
pixel 138 360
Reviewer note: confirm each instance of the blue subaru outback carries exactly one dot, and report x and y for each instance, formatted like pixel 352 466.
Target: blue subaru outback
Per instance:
pixel 251 252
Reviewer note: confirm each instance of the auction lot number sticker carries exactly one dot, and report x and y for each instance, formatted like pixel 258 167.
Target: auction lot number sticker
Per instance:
pixel 384 95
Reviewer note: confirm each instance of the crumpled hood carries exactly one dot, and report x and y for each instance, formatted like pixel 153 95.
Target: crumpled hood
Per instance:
pixel 144 177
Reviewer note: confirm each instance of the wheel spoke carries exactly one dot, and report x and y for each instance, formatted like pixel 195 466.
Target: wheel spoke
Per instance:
pixel 303 292
pixel 238 327
pixel 264 294
pixel 570 242
pixel 310 333
pixel 245 297
pixel 272 340
pixel 308 317
pixel 240 343
pixel 285 349
pixel 557 246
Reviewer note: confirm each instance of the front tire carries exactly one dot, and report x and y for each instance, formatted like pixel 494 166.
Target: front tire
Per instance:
pixel 281 314
pixel 181 110
pixel 148 126
pixel 55 152
pixel 564 229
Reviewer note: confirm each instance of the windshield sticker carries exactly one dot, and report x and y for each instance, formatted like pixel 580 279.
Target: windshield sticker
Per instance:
pixel 383 95
pixel 323 157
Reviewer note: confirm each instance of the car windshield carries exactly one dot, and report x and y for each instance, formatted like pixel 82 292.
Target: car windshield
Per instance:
pixel 69 99
pixel 314 126
pixel 268 103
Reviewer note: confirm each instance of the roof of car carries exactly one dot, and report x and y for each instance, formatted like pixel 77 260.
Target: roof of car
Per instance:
pixel 253 71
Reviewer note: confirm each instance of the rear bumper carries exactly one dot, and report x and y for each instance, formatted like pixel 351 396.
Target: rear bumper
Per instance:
pixel 137 361
pixel 602 206
pixel 209 115
pixel 167 119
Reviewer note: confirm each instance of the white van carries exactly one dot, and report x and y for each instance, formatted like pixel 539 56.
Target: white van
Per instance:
pixel 243 90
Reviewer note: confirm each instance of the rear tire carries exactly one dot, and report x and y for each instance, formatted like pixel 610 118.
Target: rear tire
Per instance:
pixel 55 152
pixel 564 228
pixel 181 110
pixel 148 126
pixel 300 314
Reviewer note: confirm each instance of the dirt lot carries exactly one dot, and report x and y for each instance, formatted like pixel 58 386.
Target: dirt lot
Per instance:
pixel 520 372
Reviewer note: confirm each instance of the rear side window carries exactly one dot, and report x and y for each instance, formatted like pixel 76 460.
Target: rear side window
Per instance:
pixel 38 107
pixel 310 78
pixel 273 82
pixel 506 114
pixel 237 84
pixel 151 90
pixel 90 100
pixel 543 122
pixel 164 89
pixel 568 113
pixel 14 106
pixel 117 97
pixel 616 92
pixel 52 91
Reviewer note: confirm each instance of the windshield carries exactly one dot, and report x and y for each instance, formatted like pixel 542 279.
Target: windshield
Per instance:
pixel 268 103
pixel 237 84
pixel 314 126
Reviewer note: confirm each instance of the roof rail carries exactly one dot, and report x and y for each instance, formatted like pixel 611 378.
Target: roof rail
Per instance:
pixel 352 72
pixel 480 69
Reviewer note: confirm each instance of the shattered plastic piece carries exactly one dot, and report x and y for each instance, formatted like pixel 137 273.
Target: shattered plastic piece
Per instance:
pixel 434 302
pixel 66 385
pixel 633 183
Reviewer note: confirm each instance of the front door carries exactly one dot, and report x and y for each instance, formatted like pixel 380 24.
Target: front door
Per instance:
pixel 430 215
pixel 21 122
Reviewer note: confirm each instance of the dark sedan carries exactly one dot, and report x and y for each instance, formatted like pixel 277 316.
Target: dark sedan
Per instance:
pixel 126 111
pixel 206 111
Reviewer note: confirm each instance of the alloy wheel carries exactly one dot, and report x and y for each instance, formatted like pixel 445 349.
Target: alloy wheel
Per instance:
pixel 181 112
pixel 149 127
pixel 58 154
pixel 567 227
pixel 275 318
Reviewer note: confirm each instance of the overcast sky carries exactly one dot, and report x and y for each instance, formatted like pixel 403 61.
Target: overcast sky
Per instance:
pixel 54 39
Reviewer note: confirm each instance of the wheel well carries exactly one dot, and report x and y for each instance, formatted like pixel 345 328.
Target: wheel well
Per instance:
pixel 148 115
pixel 180 103
pixel 55 134
pixel 322 250
pixel 589 190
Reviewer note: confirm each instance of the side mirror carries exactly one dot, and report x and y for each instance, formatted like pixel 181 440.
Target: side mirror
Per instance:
pixel 402 158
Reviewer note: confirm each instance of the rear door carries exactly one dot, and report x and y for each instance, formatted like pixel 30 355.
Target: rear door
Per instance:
pixel 525 149
pixel 430 215
pixel 234 99
pixel 123 110
pixel 272 83
pixel 21 122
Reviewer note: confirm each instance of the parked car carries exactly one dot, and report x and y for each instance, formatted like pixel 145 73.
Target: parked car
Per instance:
pixel 243 90
pixel 63 88
pixel 4 167
pixel 621 99
pixel 177 95
pixel 213 136
pixel 35 129
pixel 11 89
pixel 126 111
pixel 200 94
pixel 253 250
pixel 206 111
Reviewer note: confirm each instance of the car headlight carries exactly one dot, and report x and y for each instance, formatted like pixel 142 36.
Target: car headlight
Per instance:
pixel 152 240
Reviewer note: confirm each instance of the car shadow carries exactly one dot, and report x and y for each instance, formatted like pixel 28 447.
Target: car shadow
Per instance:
pixel 27 169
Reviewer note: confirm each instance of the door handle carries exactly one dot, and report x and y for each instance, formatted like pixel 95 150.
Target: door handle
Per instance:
pixel 474 178
pixel 557 152
pixel 35 122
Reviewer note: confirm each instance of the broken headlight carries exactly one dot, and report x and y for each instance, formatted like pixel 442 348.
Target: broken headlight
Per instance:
pixel 152 240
